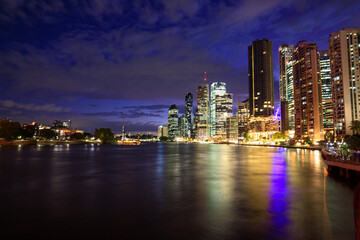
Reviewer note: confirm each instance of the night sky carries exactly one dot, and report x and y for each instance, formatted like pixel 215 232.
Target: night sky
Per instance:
pixel 93 60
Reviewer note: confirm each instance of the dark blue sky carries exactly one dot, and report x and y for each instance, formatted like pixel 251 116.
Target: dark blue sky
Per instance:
pixel 93 60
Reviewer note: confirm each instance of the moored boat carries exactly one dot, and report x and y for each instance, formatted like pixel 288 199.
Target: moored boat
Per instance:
pixel 128 142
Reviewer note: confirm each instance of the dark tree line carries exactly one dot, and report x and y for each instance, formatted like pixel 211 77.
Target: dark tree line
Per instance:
pixel 10 130
pixel 13 130
pixel 105 135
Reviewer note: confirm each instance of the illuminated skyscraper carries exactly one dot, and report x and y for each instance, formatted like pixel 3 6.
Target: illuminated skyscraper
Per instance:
pixel 163 131
pixel 217 89
pixel 285 57
pixel 195 124
pixel 261 80
pixel 203 111
pixel 223 110
pixel 232 130
pixel 203 125
pixel 188 111
pixel 328 122
pixel 307 91
pixel 344 48
pixel 243 114
pixel 286 87
pixel 173 124
pixel 290 96
pixel 184 130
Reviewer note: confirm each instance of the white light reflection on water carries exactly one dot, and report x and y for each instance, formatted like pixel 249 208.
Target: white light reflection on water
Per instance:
pixel 160 161
pixel 220 185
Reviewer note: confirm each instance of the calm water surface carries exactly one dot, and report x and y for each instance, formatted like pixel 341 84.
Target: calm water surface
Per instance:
pixel 170 191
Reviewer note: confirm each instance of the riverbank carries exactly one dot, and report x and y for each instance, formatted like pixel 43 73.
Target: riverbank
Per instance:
pixel 43 142
pixel 79 142
pixel 283 146
pixel 259 145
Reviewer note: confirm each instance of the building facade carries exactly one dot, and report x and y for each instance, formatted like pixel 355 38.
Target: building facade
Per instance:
pixel 307 91
pixel 173 122
pixel 203 111
pixel 195 124
pixel 188 111
pixel 223 110
pixel 344 51
pixel 243 114
pixel 263 128
pixel 217 89
pixel 326 95
pixel 285 57
pixel 184 130
pixel 284 116
pixel 232 130
pixel 290 96
pixel 261 80
pixel 286 86
pixel 163 131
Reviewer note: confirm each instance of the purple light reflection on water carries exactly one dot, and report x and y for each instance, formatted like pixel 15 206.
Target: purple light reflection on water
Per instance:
pixel 279 196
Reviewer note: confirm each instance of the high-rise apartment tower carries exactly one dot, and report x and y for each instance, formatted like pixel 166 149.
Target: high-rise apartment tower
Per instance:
pixel 173 122
pixel 261 80
pixel 344 51
pixel 307 91
pixel 326 95
pixel 286 87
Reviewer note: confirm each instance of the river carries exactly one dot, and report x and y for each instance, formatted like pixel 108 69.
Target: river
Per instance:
pixel 171 191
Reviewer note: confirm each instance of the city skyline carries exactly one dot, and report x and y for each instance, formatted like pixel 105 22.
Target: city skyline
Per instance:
pixel 108 62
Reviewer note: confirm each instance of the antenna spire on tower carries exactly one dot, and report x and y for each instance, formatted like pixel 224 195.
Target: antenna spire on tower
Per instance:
pixel 123 134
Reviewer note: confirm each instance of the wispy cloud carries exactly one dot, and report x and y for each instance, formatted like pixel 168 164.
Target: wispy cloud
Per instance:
pixel 150 107
pixel 128 114
pixel 51 108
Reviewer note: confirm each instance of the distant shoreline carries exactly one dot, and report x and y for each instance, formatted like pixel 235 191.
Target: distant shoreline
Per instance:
pixel 63 142
pixel 267 145
pixel 43 142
